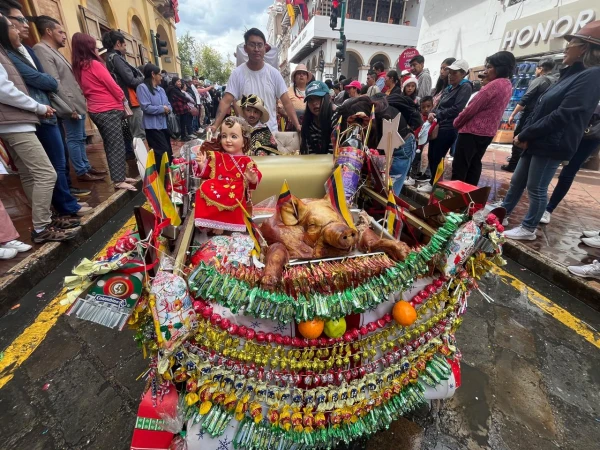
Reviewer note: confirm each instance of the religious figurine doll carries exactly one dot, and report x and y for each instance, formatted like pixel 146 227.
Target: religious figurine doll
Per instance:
pixel 262 142
pixel 229 177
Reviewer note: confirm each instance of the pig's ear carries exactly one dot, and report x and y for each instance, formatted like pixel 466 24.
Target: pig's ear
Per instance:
pixel 291 212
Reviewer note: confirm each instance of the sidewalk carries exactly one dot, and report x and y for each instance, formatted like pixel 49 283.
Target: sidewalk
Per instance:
pixel 19 274
pixel 558 244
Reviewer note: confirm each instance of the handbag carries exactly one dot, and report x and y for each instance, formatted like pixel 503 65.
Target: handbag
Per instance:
pixel 127 112
pixel 173 125
pixel 63 110
pixel 193 110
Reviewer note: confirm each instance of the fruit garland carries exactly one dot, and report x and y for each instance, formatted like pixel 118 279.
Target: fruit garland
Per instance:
pixel 208 283
pixel 220 324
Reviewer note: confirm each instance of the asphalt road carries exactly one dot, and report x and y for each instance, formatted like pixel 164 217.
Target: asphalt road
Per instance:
pixel 530 373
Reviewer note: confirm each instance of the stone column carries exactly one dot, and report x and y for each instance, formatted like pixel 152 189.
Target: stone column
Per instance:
pixel 362 73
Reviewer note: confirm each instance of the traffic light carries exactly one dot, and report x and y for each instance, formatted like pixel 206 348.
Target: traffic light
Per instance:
pixel 341 46
pixel 196 70
pixel 161 46
pixel 335 13
pixel 322 65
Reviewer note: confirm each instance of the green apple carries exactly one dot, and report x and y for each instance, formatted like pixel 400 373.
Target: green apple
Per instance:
pixel 335 328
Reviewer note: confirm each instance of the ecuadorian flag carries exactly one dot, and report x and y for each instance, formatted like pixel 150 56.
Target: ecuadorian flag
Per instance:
pixel 335 190
pixel 284 195
pixel 394 224
pixel 252 230
pixel 154 190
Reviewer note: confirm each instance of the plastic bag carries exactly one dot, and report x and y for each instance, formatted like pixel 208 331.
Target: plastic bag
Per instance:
pixel 173 125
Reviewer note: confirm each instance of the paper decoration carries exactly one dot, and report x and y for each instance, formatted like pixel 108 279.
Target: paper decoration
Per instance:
pixel 174 317
pixel 460 247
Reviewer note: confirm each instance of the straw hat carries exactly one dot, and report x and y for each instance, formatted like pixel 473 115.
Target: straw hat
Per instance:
pixel 254 101
pixel 302 68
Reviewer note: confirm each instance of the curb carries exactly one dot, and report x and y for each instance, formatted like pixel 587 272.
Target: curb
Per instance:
pixel 536 262
pixel 29 272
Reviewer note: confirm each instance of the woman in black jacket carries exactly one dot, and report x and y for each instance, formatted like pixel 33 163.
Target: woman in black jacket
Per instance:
pixel 453 101
pixel 556 127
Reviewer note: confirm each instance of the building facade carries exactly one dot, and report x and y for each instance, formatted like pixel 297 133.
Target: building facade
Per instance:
pixel 376 30
pixel 136 19
pixel 475 29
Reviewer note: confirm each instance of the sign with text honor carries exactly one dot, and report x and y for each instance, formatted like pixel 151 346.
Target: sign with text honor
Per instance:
pixel 405 57
pixel 543 33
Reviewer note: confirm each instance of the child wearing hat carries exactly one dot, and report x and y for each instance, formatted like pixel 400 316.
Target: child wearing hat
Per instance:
pixel 262 142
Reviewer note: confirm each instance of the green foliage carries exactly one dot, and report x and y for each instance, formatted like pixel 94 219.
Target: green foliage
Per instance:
pixel 210 63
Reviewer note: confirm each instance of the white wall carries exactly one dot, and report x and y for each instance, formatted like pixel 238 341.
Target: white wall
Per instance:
pixel 472 29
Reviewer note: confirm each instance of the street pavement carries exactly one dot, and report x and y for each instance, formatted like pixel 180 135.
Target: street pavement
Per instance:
pixel 530 372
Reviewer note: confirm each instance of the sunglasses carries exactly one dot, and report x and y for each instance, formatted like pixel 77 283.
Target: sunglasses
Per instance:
pixel 22 20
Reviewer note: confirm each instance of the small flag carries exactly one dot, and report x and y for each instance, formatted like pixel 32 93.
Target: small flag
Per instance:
pixel 335 190
pixel 252 230
pixel 284 195
pixel 163 170
pixel 394 224
pixel 439 172
pixel 155 192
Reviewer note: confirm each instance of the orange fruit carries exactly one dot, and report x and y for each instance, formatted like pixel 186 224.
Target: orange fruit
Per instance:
pixel 404 313
pixel 311 329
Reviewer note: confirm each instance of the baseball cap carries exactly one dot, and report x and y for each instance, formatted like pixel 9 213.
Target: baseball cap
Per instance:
pixel 354 84
pixel 459 64
pixel 316 88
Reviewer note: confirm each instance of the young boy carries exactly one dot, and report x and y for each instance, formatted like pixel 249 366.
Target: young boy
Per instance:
pixel 425 106
pixel 262 142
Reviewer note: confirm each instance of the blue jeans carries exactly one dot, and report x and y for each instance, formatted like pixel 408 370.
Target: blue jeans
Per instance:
pixel 534 173
pixel 75 134
pixel 401 162
pixel 568 172
pixel 51 140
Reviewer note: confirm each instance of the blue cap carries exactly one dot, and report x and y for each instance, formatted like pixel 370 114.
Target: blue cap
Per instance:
pixel 316 88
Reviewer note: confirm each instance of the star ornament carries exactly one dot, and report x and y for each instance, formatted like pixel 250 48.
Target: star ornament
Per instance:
pixel 390 140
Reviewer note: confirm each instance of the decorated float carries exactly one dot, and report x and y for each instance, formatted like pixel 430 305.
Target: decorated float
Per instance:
pixel 330 317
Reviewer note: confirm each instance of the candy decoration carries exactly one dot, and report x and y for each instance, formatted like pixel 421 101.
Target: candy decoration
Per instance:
pixel 404 313
pixel 335 328
pixel 312 329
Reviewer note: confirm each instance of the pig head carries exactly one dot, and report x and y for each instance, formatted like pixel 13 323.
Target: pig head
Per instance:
pixel 310 228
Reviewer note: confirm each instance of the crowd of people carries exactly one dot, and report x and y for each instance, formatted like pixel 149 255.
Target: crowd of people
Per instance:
pixel 46 98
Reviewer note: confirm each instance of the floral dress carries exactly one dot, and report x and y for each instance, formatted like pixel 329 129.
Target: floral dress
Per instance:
pixel 223 186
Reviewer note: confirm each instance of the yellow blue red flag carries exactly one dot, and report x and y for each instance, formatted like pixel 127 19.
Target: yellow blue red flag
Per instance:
pixel 284 195
pixel 394 224
pixel 253 230
pixel 154 190
pixel 335 190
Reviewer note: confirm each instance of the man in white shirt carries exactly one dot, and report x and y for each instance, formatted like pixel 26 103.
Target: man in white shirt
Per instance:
pixel 256 77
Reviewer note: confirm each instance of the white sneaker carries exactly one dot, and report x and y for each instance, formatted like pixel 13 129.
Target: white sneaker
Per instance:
pixel 520 234
pixel 594 233
pixel 546 217
pixel 592 241
pixel 587 271
pixel 409 182
pixel 8 253
pixel 17 245
pixel 505 221
pixel 425 188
